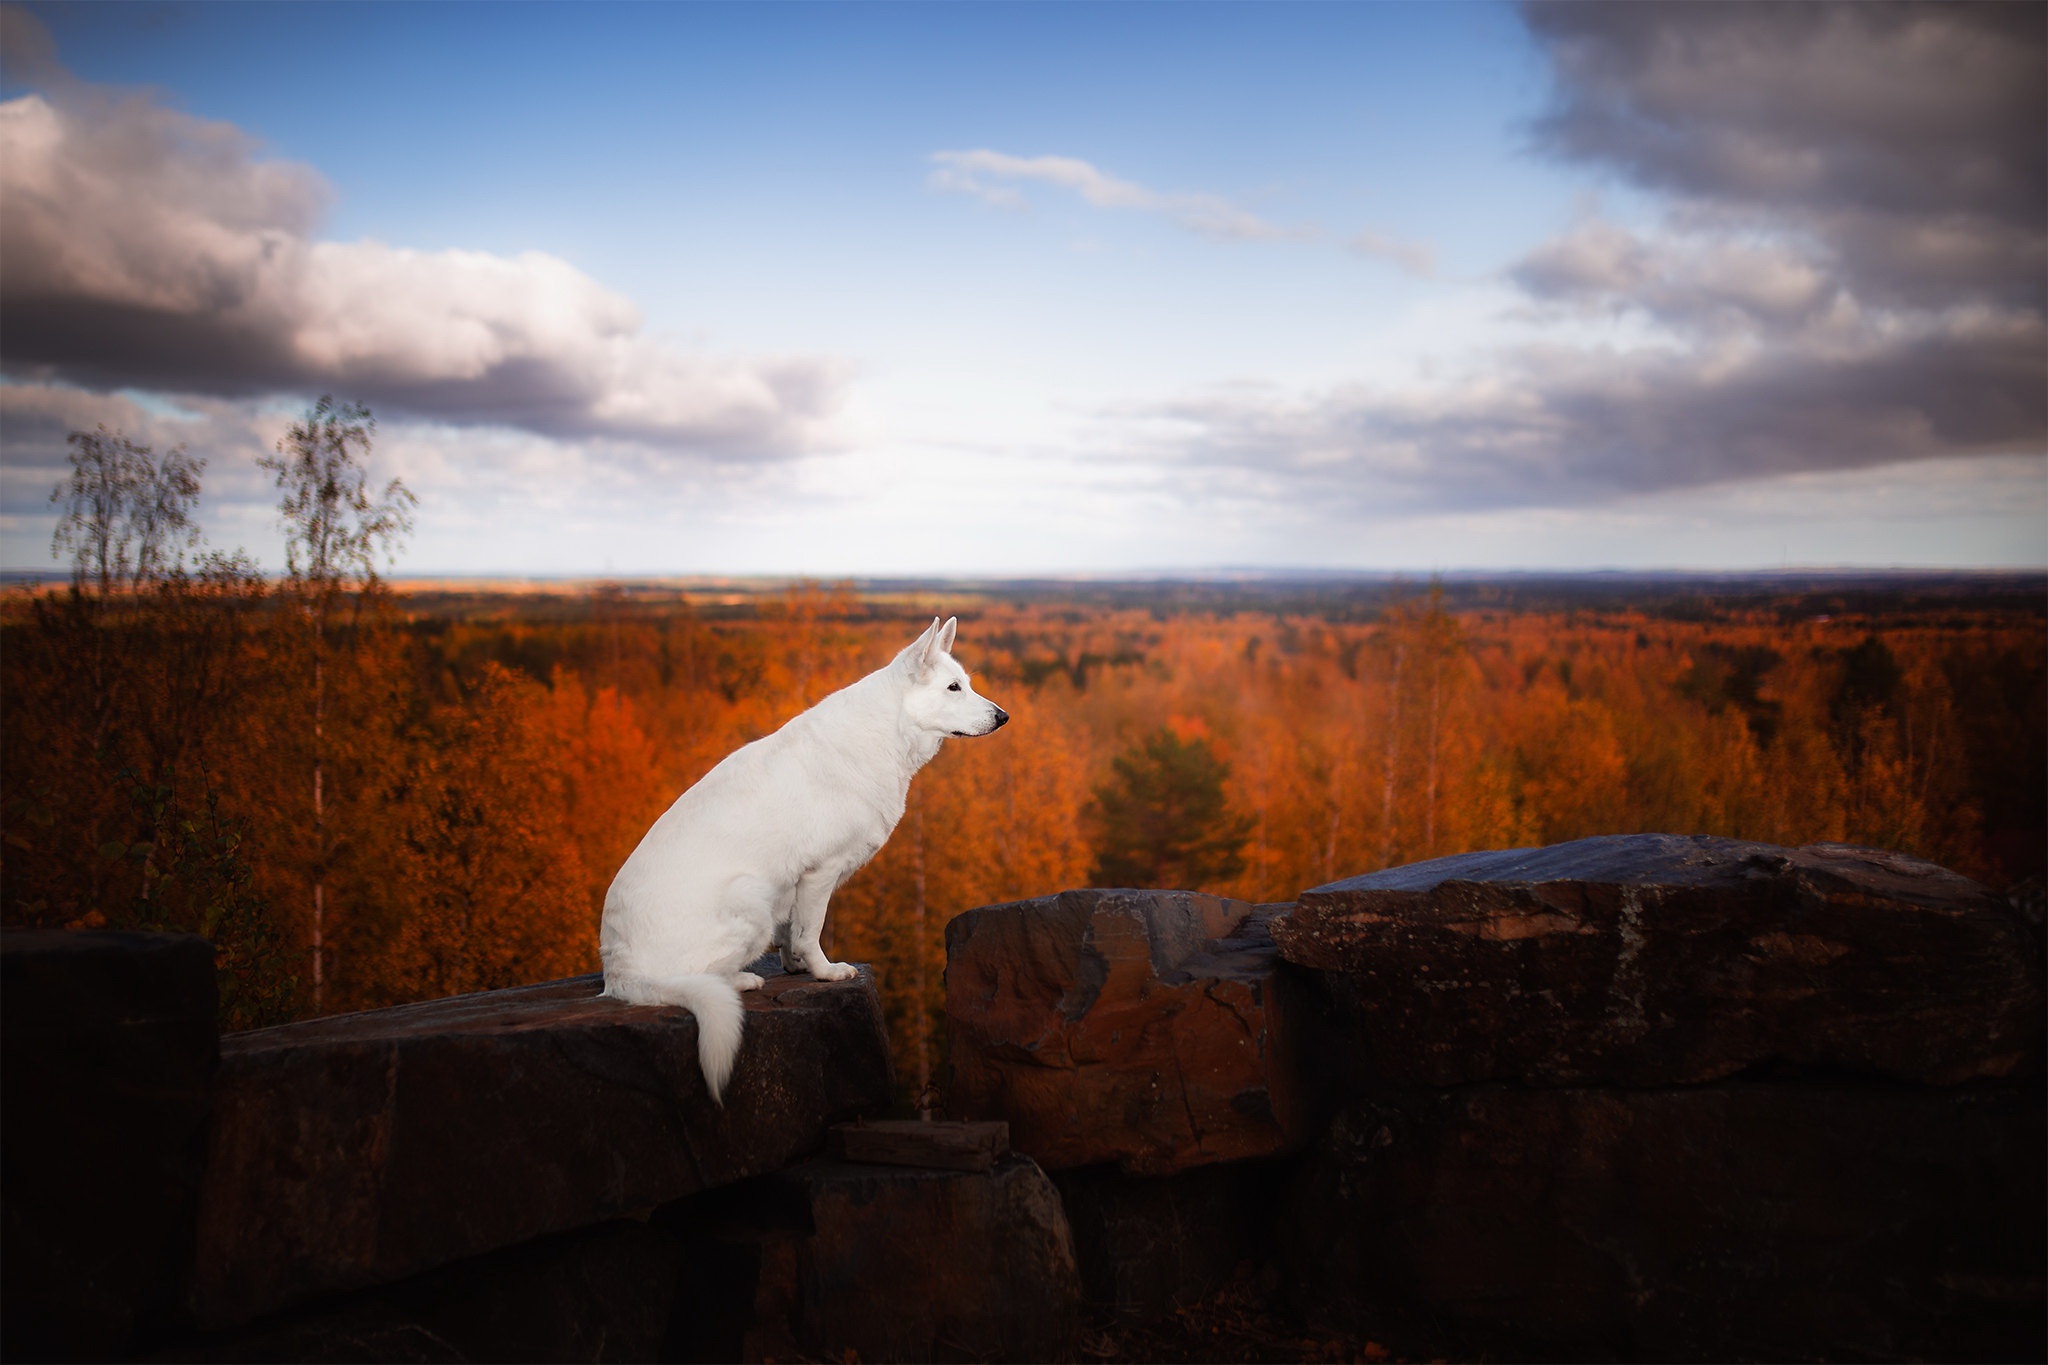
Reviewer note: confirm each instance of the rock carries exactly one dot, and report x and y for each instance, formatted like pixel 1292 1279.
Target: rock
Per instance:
pixel 913 1142
pixel 367 1148
pixel 1147 1028
pixel 1732 1221
pixel 889 1263
pixel 1147 1245
pixel 109 1045
pixel 1655 959
pixel 597 1294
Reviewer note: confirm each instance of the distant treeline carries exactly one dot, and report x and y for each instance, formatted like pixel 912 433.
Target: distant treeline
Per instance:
pixel 1785 596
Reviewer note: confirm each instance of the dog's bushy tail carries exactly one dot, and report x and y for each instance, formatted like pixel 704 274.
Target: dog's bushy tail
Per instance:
pixel 713 999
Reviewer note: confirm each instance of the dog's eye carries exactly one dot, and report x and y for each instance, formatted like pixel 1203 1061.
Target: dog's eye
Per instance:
pixel 952 687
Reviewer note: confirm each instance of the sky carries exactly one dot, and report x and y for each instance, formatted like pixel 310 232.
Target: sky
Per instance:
pixel 1026 289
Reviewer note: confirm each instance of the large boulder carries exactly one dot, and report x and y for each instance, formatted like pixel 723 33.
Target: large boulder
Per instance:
pixel 1658 959
pixel 978 1265
pixel 610 1292
pixel 366 1148
pixel 106 1062
pixel 835 1259
pixel 1147 1245
pixel 1153 1029
pixel 1736 1221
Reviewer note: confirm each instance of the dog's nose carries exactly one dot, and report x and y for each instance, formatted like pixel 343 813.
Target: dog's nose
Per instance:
pixel 1002 717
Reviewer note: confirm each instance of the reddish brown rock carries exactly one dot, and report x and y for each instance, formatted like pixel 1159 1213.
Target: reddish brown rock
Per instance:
pixel 1737 1221
pixel 611 1292
pixel 901 1263
pixel 1152 1029
pixel 363 1149
pixel 834 1260
pixel 1658 959
pixel 1147 1245
pixel 914 1142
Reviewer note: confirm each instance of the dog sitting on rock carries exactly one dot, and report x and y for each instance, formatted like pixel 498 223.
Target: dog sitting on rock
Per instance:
pixel 749 857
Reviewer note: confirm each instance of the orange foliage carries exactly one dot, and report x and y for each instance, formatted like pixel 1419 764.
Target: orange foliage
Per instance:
pixel 487 776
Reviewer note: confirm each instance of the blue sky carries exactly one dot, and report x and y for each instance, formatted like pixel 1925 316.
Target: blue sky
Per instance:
pixel 928 288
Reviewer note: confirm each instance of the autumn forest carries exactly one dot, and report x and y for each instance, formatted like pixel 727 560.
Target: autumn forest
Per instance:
pixel 367 793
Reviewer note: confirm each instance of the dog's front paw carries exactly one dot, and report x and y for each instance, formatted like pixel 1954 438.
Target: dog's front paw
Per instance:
pixel 834 971
pixel 746 981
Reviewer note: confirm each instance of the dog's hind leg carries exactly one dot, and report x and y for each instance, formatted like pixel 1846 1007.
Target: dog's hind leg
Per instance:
pixel 807 921
pixel 751 912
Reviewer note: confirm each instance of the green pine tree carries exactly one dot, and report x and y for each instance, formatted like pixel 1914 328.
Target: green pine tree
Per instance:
pixel 1163 818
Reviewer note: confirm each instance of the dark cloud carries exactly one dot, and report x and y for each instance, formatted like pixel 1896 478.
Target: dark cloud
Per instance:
pixel 1563 426
pixel 1848 269
pixel 148 248
pixel 1910 139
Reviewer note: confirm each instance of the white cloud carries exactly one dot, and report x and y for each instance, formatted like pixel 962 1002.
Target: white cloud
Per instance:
pixel 1692 279
pixel 1415 258
pixel 147 247
pixel 993 178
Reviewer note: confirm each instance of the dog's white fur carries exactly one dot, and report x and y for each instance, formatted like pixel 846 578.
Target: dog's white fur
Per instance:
pixel 751 855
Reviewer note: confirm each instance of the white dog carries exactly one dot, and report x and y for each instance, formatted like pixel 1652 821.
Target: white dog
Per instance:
pixel 750 856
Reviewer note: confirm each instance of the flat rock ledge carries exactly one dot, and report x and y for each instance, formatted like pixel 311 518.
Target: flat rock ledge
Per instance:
pixel 1669 960
pixel 361 1149
pixel 822 1259
pixel 1152 1029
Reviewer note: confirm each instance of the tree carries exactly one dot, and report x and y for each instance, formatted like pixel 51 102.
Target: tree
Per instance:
pixel 1164 820
pixel 335 533
pixel 127 515
pixel 139 687
pixel 492 887
pixel 127 520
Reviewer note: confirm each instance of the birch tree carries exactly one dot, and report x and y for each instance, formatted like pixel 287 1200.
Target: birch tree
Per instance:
pixel 127 513
pixel 126 520
pixel 335 535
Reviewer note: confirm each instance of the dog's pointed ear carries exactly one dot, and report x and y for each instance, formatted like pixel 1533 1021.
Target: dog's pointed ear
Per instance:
pixel 917 655
pixel 946 634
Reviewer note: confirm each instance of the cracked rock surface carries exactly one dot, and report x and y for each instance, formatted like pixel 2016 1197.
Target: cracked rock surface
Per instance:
pixel 1657 959
pixel 1152 1029
pixel 363 1148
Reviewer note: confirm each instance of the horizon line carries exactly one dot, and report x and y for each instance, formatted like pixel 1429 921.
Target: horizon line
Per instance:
pixel 417 579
